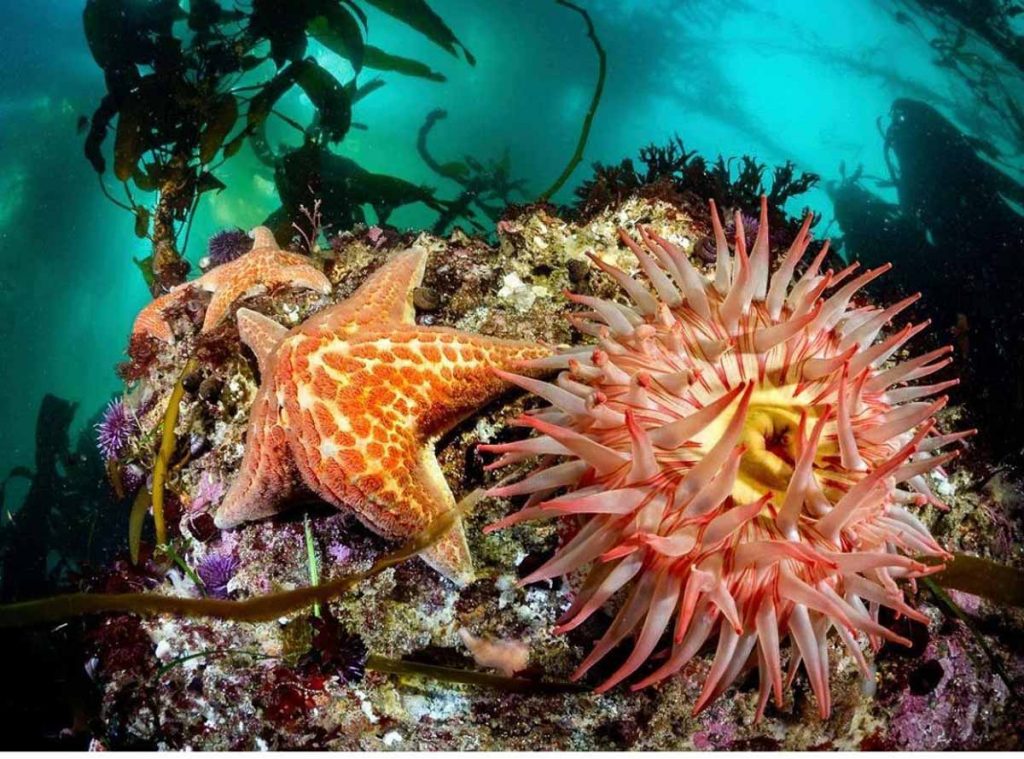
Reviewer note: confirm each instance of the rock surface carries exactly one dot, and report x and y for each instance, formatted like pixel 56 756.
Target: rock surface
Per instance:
pixel 250 685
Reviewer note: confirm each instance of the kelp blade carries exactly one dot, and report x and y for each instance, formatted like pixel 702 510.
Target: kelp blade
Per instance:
pixel 981 577
pixel 258 609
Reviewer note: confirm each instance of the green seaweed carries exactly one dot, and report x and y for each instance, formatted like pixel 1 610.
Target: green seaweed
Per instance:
pixel 314 567
pixel 209 653
pixel 175 557
pixel 471 677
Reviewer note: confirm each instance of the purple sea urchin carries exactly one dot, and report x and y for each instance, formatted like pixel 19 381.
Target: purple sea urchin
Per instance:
pixel 116 429
pixel 335 649
pixel 227 245
pixel 216 571
pixel 738 457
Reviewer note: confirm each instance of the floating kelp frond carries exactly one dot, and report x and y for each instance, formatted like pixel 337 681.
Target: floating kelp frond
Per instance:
pixel 258 609
pixel 981 577
pixel 469 677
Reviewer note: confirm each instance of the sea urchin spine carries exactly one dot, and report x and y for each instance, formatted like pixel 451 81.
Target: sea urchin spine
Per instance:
pixel 734 455
pixel 116 429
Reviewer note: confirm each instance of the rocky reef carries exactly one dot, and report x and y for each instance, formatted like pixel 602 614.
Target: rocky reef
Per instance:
pixel 326 678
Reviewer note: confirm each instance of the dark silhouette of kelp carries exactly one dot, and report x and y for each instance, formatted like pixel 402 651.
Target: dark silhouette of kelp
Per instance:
pixel 187 96
pixel 595 101
pixel 978 42
pixel 314 173
pixel 991 20
pixel 487 187
pixel 956 235
pixel 65 518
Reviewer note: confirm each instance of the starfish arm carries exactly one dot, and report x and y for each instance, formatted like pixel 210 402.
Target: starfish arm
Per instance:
pixel 397 491
pixel 151 321
pixel 450 554
pixel 303 275
pixel 267 474
pixel 262 334
pixel 385 297
pixel 461 368
pixel 262 237
pixel 222 300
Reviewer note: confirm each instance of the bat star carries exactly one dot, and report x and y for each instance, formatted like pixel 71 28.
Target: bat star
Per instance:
pixel 351 403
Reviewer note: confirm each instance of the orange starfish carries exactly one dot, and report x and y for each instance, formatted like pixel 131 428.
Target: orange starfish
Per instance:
pixel 351 402
pixel 264 266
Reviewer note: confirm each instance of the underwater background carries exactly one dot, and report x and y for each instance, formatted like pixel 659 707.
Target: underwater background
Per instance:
pixel 904 118
pixel 800 81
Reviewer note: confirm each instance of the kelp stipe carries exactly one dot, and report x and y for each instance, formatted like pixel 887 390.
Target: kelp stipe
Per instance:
pixel 258 609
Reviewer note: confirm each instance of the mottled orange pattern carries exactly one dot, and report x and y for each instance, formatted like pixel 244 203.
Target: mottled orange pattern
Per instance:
pixel 263 267
pixel 351 404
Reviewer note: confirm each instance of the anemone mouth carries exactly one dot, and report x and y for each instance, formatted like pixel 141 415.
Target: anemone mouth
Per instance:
pixel 739 455
pixel 770 437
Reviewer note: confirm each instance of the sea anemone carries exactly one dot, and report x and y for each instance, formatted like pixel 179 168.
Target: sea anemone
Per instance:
pixel 735 454
pixel 116 429
pixel 226 246
pixel 216 571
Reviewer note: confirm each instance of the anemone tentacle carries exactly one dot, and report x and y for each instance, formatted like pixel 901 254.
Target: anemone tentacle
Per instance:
pixel 738 460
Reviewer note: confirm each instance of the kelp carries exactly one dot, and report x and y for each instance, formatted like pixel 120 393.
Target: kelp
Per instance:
pixel 418 15
pixel 314 173
pixel 177 110
pixel 487 188
pixel 257 609
pixel 136 521
pixel 66 512
pixel 470 677
pixel 952 609
pixel 168 441
pixel 379 60
pixel 595 101
pixel 999 583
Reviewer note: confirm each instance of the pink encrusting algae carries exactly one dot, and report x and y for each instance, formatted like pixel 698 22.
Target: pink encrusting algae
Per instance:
pixel 738 457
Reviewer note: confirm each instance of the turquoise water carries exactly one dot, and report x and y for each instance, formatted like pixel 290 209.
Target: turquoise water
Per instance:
pixel 796 80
